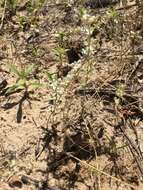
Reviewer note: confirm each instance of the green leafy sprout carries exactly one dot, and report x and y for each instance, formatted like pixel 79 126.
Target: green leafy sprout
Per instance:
pixel 24 81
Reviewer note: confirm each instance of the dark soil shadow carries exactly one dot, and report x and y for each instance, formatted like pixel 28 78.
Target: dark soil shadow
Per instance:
pixel 78 146
pixel 19 113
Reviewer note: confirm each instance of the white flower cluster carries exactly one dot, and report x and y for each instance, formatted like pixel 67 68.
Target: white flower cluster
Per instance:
pixel 88 19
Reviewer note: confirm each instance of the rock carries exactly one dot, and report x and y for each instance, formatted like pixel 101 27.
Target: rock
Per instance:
pixel 15 181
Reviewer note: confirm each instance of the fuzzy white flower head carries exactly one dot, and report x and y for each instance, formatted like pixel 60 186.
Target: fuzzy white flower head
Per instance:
pixel 88 19
pixel 91 20
pixel 85 18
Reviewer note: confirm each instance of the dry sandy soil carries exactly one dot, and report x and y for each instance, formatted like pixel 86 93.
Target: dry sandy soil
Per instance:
pixel 82 128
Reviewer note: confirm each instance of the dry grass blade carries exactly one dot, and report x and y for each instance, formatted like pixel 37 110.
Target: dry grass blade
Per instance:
pixel 84 163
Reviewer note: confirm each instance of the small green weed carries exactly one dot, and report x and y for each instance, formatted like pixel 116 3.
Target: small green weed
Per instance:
pixel 11 5
pixel 60 52
pixel 24 81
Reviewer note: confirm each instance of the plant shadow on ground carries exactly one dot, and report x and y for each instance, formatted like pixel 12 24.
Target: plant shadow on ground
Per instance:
pixel 85 144
pixel 19 103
